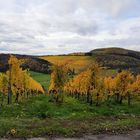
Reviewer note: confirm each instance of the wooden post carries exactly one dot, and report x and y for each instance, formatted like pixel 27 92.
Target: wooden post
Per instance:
pixel 9 85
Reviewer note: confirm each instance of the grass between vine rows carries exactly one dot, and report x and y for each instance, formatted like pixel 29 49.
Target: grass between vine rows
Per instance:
pixel 39 117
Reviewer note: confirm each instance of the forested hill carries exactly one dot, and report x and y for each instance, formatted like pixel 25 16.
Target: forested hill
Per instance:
pixel 117 58
pixel 31 62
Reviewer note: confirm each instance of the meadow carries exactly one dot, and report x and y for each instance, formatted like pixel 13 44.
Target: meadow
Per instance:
pixel 43 79
pixel 39 117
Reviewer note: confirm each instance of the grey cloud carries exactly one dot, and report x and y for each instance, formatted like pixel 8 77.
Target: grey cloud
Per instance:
pixel 61 26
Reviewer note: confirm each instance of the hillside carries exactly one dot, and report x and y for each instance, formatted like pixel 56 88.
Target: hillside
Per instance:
pixel 31 62
pixel 112 58
pixel 117 58
pixel 78 63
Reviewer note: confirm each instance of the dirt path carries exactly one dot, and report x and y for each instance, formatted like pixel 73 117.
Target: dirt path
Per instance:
pixel 133 135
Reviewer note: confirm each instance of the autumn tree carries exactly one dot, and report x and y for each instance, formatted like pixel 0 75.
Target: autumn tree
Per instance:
pixel 110 87
pixel 87 83
pixel 133 89
pixel 123 79
pixel 3 86
pixel 59 77
pixel 15 78
pixel 93 76
pixel 20 82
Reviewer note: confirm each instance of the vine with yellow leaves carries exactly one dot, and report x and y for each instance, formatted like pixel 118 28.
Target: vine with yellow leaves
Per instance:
pixel 18 83
pixel 94 88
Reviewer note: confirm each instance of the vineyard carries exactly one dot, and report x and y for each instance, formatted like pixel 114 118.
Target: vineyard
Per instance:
pixel 17 84
pixel 92 87
pixel 78 63
pixel 69 69
pixel 37 104
pixel 113 58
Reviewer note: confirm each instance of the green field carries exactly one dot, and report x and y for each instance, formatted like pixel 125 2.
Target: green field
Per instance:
pixel 40 117
pixel 43 79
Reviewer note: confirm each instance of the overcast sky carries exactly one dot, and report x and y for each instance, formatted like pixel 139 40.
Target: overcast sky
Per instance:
pixel 41 27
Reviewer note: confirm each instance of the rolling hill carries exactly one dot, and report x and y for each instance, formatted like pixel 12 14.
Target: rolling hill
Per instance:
pixel 78 63
pixel 112 58
pixel 33 63
pixel 117 58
